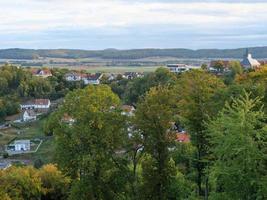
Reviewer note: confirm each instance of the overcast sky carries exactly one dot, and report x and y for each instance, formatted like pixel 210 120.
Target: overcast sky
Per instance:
pixel 127 24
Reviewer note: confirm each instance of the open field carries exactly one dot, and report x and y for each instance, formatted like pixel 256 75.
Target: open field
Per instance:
pixel 120 69
pixel 110 69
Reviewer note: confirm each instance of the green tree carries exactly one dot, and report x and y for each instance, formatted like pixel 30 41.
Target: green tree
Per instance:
pixel 196 91
pixel 154 117
pixel 139 86
pixel 88 149
pixel 51 124
pixel 238 141
pixel 235 69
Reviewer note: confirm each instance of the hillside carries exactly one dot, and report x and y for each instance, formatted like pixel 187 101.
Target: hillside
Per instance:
pixel 258 52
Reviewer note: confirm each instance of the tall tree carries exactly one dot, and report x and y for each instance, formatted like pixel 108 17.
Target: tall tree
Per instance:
pixel 89 149
pixel 196 102
pixel 154 117
pixel 238 137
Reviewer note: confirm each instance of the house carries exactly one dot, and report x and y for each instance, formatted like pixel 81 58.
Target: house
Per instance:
pixel 73 76
pixel 132 75
pixel 22 145
pixel 179 68
pixel 182 137
pixel 112 77
pixel 127 110
pixel 42 72
pixel 248 62
pixel 91 79
pixel 29 115
pixel 36 104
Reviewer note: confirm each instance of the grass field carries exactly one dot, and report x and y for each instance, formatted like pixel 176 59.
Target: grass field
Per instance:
pixel 110 69
pixel 45 153
pixel 121 69
pixel 6 136
pixel 30 131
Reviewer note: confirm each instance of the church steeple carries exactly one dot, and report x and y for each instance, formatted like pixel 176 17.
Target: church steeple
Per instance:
pixel 247 53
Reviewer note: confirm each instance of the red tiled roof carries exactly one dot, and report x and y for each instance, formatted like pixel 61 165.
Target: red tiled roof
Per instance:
pixel 41 101
pixel 182 137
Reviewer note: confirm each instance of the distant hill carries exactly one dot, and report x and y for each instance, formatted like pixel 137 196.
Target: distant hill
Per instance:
pixel 258 52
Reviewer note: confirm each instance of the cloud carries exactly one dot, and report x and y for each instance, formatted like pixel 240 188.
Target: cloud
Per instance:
pixel 150 20
pixel 34 15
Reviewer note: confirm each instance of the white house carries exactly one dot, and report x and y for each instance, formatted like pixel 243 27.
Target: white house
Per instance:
pixel 22 145
pixel 179 68
pixel 29 115
pixel 36 104
pixel 92 79
pixel 248 62
pixel 73 76
pixel 132 75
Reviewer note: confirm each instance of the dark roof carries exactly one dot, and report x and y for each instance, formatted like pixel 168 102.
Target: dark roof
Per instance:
pixel 92 76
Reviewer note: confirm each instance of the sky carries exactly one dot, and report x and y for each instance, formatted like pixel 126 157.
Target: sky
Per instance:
pixel 132 24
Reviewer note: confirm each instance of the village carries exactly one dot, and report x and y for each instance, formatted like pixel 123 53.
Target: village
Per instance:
pixel 22 134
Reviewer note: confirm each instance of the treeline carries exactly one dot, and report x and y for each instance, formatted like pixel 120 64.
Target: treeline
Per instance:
pixel 108 155
pixel 258 52
pixel 48 182
pixel 19 84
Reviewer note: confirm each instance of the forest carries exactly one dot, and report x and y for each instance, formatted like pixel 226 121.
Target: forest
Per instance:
pixel 258 52
pixel 101 154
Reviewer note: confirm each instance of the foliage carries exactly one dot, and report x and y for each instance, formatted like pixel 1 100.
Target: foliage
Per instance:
pixel 20 183
pixel 54 184
pixel 87 149
pixel 196 91
pixel 238 139
pixel 154 118
pixel 138 87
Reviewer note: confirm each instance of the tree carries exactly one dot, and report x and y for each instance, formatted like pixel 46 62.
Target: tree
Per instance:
pixel 18 183
pixel 238 145
pixel 55 185
pixel 51 124
pixel 139 86
pixel 204 66
pixel 154 117
pixel 219 66
pixel 88 149
pixel 235 69
pixel 196 91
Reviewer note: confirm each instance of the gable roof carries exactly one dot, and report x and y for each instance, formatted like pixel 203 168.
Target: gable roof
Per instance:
pixel 37 102
pixel 92 77
pixel 41 72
